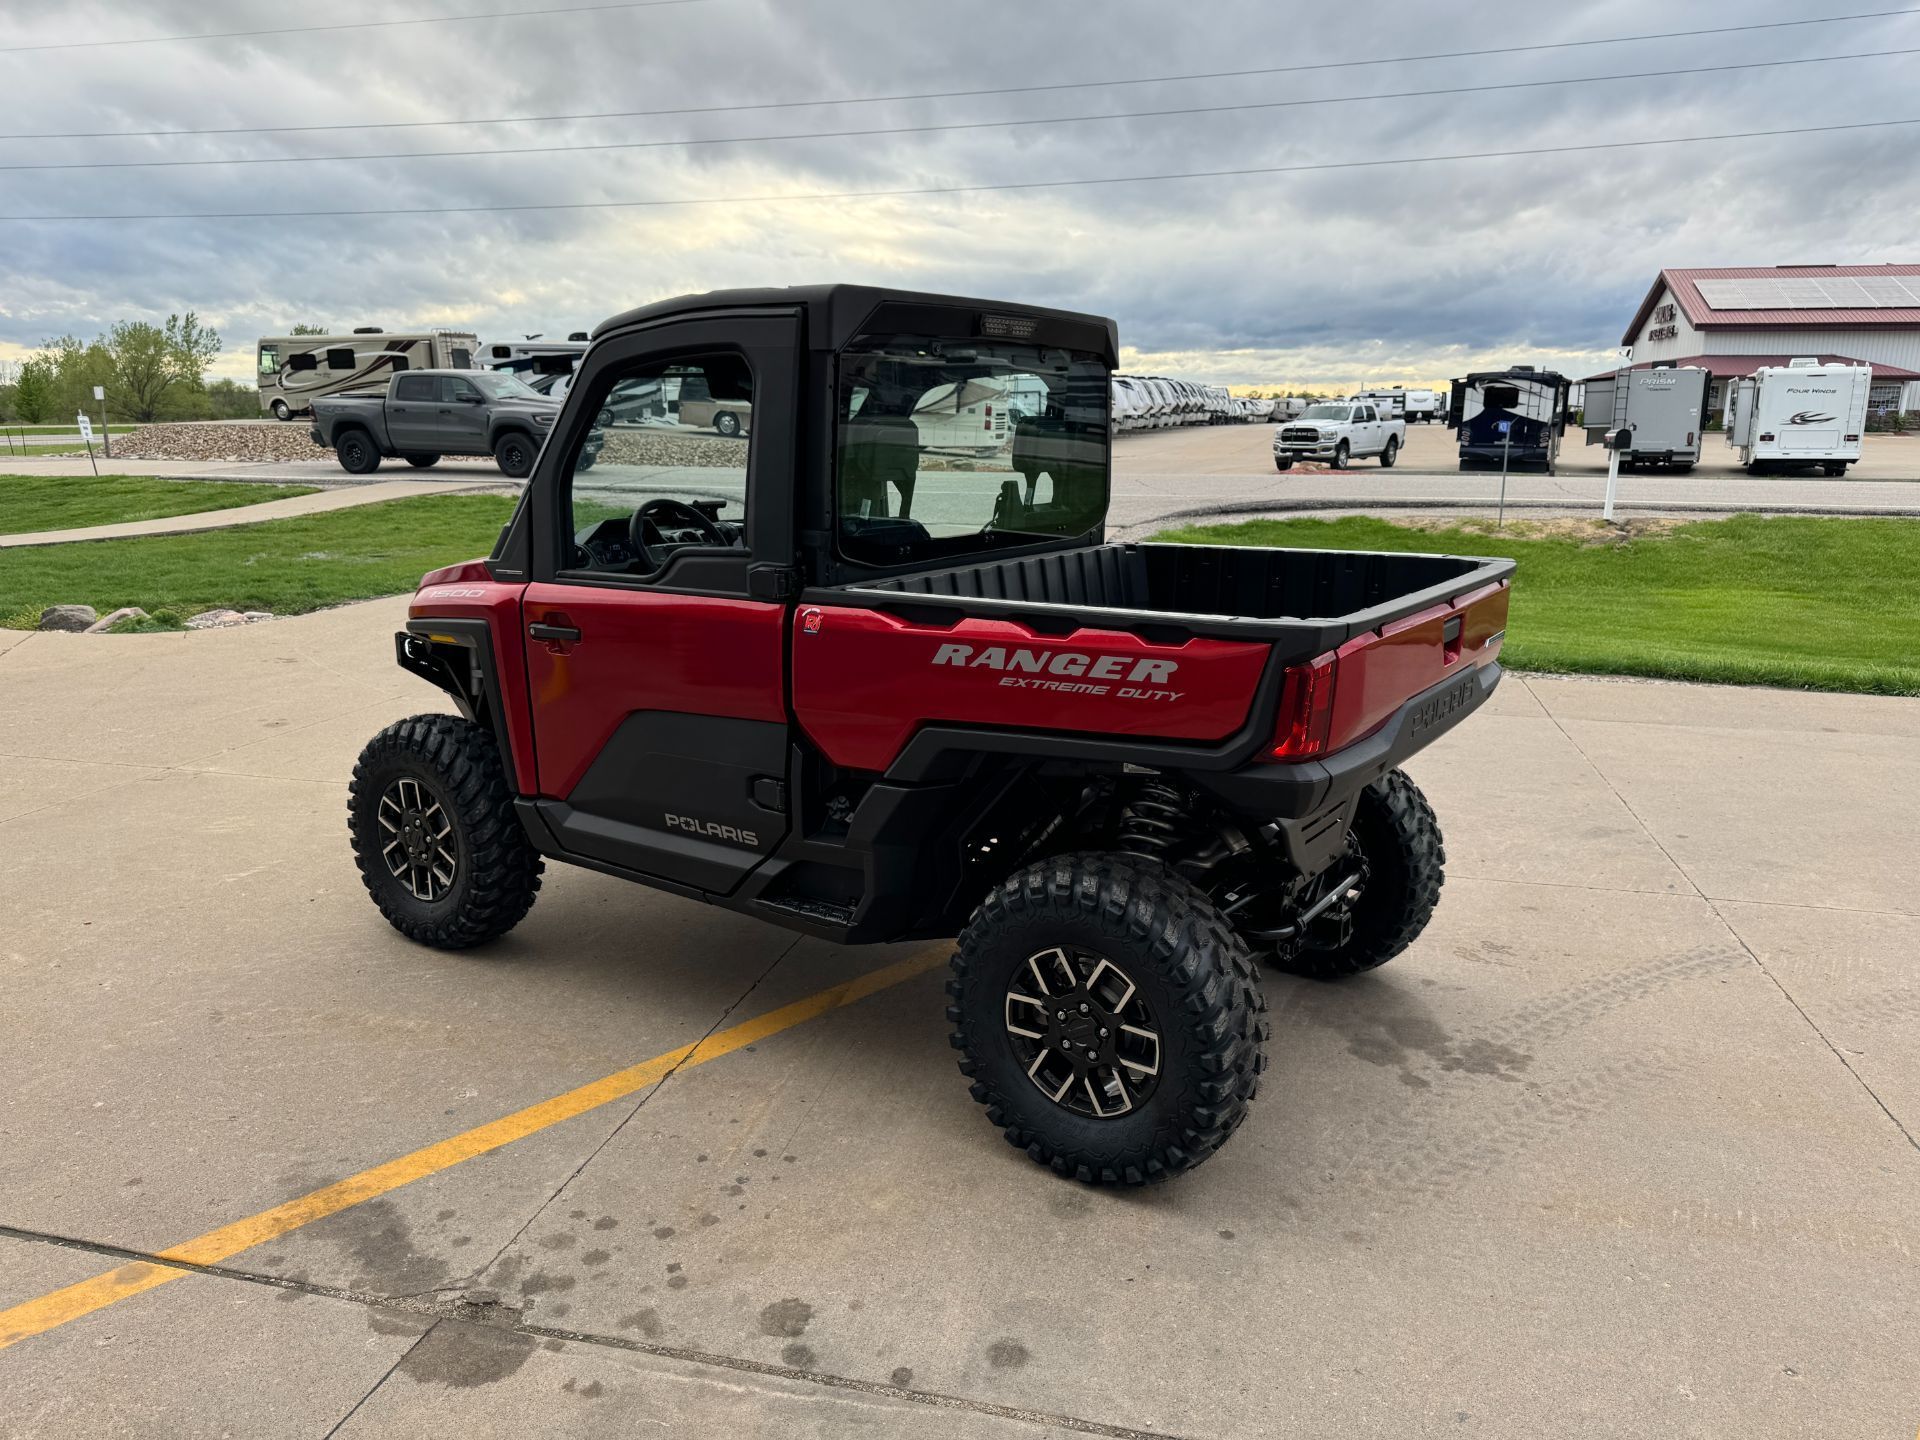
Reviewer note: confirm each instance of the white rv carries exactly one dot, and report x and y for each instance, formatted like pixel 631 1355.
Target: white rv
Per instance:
pixel 294 370
pixel 1799 414
pixel 1663 411
pixel 533 357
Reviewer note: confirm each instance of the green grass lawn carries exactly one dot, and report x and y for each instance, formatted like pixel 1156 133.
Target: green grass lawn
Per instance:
pixel 1812 603
pixel 286 566
pixel 30 503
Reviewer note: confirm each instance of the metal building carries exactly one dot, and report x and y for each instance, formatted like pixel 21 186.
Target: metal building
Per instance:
pixel 1734 319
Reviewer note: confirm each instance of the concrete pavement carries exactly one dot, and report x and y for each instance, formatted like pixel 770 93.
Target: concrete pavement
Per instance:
pixel 1624 1146
pixel 323 500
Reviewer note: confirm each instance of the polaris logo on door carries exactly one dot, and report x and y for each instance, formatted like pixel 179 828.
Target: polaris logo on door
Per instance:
pixel 1078 671
pixel 713 830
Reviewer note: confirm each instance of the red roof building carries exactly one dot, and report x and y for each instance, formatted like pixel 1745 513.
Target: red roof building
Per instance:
pixel 1733 319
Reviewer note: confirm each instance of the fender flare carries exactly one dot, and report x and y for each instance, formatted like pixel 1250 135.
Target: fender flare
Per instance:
pixel 457 656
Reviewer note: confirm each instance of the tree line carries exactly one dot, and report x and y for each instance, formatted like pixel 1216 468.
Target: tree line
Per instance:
pixel 150 372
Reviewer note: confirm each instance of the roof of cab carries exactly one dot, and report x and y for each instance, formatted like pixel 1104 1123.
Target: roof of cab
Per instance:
pixel 836 313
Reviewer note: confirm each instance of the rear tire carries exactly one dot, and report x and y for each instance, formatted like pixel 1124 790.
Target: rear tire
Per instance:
pixel 1390 454
pixel 437 780
pixel 1396 833
pixel 728 424
pixel 422 462
pixel 515 452
pixel 1147 951
pixel 356 452
pixel 1836 471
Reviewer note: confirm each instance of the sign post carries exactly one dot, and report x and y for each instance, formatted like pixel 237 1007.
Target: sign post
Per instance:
pixel 1613 482
pixel 86 434
pixel 1505 427
pixel 106 420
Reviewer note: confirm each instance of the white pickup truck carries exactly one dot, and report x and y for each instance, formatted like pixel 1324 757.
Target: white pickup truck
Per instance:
pixel 1338 431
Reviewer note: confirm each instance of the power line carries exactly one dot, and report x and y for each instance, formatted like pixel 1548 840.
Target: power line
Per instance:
pixel 936 94
pixel 354 25
pixel 926 190
pixel 955 125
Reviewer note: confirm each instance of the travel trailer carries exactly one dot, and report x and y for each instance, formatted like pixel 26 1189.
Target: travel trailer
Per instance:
pixel 1513 417
pixel 527 358
pixel 1802 413
pixel 1663 411
pixel 294 370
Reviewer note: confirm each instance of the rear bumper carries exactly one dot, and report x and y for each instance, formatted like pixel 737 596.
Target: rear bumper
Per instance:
pixel 1308 788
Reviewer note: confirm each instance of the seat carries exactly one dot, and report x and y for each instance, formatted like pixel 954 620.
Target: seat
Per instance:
pixel 877 451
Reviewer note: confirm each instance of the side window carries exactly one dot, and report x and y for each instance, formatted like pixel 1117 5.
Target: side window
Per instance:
pixel 269 359
pixel 462 358
pixel 454 391
pixel 414 387
pixel 340 359
pixel 1368 413
pixel 664 467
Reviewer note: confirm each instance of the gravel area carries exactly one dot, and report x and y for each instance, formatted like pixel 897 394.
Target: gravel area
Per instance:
pixel 245 441
pixel 645 447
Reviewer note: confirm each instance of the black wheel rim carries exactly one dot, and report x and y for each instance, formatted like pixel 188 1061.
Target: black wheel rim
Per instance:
pixel 1081 1030
pixel 516 458
pixel 353 454
pixel 417 840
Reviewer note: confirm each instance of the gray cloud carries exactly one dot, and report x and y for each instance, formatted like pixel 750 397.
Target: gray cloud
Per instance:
pixel 1408 272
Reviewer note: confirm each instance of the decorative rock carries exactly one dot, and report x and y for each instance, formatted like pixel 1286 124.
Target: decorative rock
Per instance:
pixel 74 618
pixel 107 622
pixel 215 619
pixel 254 617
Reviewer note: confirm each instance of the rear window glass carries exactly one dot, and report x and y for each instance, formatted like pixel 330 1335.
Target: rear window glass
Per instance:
pixel 949 447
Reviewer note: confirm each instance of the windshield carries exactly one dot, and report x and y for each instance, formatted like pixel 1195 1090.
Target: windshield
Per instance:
pixel 952 446
pixel 1325 412
pixel 508 387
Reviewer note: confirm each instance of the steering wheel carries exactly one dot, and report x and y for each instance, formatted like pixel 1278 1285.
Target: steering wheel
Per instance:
pixel 679 510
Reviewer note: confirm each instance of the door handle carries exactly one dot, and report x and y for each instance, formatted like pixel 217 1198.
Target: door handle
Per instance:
pixel 563 634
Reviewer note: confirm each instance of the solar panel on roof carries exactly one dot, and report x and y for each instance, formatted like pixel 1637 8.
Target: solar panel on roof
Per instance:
pixel 1834 292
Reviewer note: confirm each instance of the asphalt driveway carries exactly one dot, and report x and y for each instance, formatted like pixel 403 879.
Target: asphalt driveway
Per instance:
pixel 1624 1146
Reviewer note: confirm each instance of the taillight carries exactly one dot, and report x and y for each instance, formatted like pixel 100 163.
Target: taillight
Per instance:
pixel 1306 711
pixel 989 421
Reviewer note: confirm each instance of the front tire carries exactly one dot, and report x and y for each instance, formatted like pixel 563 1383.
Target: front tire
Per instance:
pixel 1283 465
pixel 1398 837
pixel 1341 454
pixel 1110 1019
pixel 1390 454
pixel 282 411
pixel 435 837
pixel 514 452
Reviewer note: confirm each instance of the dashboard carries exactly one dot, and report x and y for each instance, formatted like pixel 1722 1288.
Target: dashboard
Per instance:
pixel 608 544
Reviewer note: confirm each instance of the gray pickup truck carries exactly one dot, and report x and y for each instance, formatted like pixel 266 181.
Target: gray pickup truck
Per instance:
pixel 429 413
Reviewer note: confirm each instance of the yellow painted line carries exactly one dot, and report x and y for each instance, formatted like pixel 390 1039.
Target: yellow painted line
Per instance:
pixel 36 1317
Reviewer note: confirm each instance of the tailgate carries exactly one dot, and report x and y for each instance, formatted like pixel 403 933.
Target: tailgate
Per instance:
pixel 864 681
pixel 1376 673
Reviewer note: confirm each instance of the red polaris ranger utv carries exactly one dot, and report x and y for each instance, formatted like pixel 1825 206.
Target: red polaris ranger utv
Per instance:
pixel 867 668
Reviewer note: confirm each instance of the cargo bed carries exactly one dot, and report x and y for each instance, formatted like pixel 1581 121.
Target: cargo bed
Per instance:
pixel 1302 601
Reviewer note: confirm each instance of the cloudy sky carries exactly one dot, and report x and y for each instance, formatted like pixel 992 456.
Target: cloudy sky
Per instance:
pixel 1327 278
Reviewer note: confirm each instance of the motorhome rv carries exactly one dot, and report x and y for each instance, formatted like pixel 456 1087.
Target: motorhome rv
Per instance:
pixel 1663 411
pixel 1513 417
pixel 1803 413
pixel 294 370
